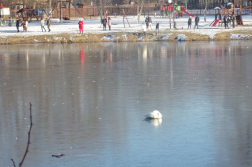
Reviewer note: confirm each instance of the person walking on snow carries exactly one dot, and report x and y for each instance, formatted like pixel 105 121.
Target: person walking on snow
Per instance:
pixel 48 24
pixel 150 22
pixel 104 21
pixel 81 26
pixel 228 22
pixel 109 23
pixel 225 21
pixel 190 22
pixel 26 25
pixel 42 23
pixel 157 28
pixel 196 22
pixel 146 22
pixel 233 20
pixel 17 25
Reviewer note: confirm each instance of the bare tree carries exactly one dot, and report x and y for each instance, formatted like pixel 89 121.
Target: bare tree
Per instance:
pixel 140 4
pixel 207 2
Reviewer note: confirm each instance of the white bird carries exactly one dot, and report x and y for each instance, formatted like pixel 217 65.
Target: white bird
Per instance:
pixel 154 115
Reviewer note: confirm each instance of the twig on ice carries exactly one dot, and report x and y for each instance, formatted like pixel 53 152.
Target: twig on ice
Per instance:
pixel 29 136
pixel 13 163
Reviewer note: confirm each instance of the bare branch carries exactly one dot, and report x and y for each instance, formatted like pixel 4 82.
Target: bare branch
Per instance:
pixel 13 163
pixel 28 143
pixel 29 136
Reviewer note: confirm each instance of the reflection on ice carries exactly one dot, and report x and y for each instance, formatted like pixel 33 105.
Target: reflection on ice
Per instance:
pixel 154 122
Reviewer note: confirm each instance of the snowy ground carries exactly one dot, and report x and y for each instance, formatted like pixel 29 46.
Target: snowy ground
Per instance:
pixel 93 26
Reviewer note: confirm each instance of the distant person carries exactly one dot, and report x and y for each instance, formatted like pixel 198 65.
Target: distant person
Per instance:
pixel 146 22
pixel 190 22
pixel 26 25
pixel 144 28
pixel 157 28
pixel 42 23
pixel 228 22
pixel 163 11
pixel 150 22
pixel 81 26
pixel 104 22
pixel 225 21
pixel 17 25
pixel 233 21
pixel 196 22
pixel 109 22
pixel 48 24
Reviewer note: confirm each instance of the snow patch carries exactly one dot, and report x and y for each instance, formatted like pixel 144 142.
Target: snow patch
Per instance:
pixel 36 40
pixel 109 37
pixel 140 36
pixel 211 36
pixel 180 37
pixel 239 36
pixel 165 36
pixel 125 37
pixel 57 38
pixel 71 39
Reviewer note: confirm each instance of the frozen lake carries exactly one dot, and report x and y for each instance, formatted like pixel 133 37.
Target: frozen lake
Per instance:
pixel 89 101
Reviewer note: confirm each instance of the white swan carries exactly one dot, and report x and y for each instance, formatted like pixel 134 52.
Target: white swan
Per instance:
pixel 154 115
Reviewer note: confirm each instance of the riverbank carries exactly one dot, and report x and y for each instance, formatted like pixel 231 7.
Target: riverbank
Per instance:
pixel 68 32
pixel 166 35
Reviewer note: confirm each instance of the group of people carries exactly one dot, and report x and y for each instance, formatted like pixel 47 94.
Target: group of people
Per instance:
pixel 148 22
pixel 24 23
pixel 42 23
pixel 196 22
pixel 227 21
pixel 104 23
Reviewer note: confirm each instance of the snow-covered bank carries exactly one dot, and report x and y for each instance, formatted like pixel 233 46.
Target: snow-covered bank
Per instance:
pixel 68 31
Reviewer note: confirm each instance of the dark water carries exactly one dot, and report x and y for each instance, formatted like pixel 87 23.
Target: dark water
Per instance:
pixel 89 101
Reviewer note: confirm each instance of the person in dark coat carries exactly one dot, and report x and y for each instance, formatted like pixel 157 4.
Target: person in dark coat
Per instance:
pixel 196 22
pixel 190 22
pixel 157 28
pixel 225 21
pixel 147 22
pixel 104 22
pixel 233 20
pixel 17 25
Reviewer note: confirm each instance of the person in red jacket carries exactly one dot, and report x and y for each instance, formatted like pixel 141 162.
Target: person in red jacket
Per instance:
pixel 81 26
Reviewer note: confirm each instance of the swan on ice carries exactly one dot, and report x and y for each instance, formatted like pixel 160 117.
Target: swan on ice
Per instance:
pixel 154 115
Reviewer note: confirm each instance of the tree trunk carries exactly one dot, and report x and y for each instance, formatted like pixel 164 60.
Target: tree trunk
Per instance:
pixel 23 3
pixel 49 3
pixel 173 2
pixel 205 11
pixel 140 12
pixel 34 4
pixel 71 4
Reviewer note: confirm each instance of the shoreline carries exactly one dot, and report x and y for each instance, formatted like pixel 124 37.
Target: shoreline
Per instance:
pixel 164 35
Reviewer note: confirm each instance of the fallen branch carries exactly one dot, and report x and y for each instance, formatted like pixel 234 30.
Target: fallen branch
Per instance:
pixel 29 136
pixel 58 156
